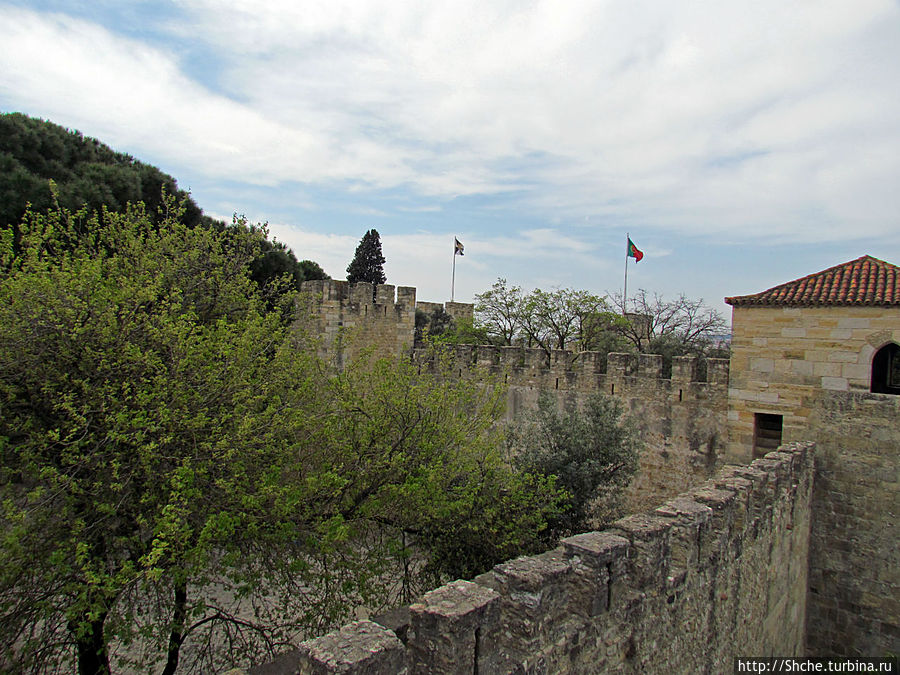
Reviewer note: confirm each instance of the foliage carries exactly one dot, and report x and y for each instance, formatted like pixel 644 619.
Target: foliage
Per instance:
pixel 464 331
pixel 440 327
pixel 178 468
pixel 499 311
pixel 422 459
pixel 368 262
pixel 555 319
pixel 144 393
pixel 312 271
pixel 592 453
pixel 86 173
pixel 562 318
pixel 672 327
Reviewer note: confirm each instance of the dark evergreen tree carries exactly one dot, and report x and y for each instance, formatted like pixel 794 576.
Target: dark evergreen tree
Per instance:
pixel 368 262
pixel 312 270
pixel 88 173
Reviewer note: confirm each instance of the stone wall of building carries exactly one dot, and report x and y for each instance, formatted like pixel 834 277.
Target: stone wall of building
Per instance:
pixel 784 357
pixel 812 366
pixel 854 588
pixel 348 317
pixel 719 572
pixel 682 419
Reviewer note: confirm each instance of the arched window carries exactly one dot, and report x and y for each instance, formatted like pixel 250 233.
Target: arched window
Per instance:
pixel 886 370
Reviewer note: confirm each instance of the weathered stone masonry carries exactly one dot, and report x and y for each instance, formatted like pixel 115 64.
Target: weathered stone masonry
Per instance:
pixel 682 420
pixel 809 365
pixel 718 572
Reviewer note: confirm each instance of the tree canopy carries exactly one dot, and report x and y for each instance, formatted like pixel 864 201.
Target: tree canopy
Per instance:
pixel 87 173
pixel 562 318
pixel 671 327
pixel 368 262
pixel 593 453
pixel 178 469
pixel 566 318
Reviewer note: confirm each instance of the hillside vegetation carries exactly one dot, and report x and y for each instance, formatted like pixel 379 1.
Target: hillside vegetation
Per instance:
pixel 88 173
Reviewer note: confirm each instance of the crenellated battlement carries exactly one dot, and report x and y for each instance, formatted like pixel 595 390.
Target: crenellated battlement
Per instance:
pixel 356 296
pixel 680 415
pixel 583 371
pixel 718 572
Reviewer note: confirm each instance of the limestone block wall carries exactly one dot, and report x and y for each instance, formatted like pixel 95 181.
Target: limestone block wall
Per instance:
pixel 854 586
pixel 719 572
pixel 783 357
pixel 347 317
pixel 682 420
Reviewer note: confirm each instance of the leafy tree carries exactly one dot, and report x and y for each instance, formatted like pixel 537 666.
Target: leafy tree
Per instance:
pixel 177 467
pixel 439 327
pixel 499 311
pixel 555 319
pixel 671 327
pixel 419 453
pixel 368 262
pixel 275 262
pixel 86 173
pixel 592 453
pixel 144 403
pixel 559 319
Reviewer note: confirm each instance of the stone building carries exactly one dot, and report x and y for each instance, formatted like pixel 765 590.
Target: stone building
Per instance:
pixel 818 359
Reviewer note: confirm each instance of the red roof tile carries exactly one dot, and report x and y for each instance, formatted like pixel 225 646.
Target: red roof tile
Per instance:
pixel 864 281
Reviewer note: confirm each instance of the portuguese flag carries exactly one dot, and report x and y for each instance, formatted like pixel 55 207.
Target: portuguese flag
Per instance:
pixel 634 251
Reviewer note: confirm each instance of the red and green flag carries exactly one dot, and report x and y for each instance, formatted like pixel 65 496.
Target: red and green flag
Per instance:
pixel 634 251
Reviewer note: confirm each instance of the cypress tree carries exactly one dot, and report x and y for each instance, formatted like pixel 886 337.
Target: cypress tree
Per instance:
pixel 368 262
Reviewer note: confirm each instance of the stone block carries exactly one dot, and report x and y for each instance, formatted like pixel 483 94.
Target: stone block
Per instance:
pixel 601 557
pixel 453 628
pixel 649 536
pixel 359 648
pixel 835 383
pixel 650 365
pixel 684 369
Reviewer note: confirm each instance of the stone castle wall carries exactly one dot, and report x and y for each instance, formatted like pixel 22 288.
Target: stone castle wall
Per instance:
pixel 854 589
pixel 347 317
pixel 719 572
pixel 810 365
pixel 682 419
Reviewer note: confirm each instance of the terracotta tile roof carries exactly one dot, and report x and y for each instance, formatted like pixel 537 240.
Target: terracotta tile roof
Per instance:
pixel 864 281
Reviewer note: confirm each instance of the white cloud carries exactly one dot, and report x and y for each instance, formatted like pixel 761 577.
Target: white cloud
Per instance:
pixel 764 119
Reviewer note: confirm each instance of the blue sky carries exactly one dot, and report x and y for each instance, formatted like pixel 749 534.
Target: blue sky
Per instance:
pixel 740 144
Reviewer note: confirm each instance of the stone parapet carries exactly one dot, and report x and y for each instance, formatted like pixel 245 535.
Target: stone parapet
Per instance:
pixel 712 574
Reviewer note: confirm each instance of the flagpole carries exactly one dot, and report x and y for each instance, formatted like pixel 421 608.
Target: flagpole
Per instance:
pixel 625 289
pixel 453 278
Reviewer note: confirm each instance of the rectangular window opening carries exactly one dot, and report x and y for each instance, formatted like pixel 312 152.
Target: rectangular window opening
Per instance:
pixel 767 430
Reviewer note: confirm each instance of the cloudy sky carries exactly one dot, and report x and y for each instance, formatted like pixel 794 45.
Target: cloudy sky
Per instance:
pixel 741 144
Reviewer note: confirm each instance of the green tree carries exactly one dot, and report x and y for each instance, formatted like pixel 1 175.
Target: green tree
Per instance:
pixel 420 455
pixel 561 318
pixel 143 399
pixel 592 453
pixel 499 311
pixel 87 173
pixel 178 468
pixel 312 270
pixel 368 262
